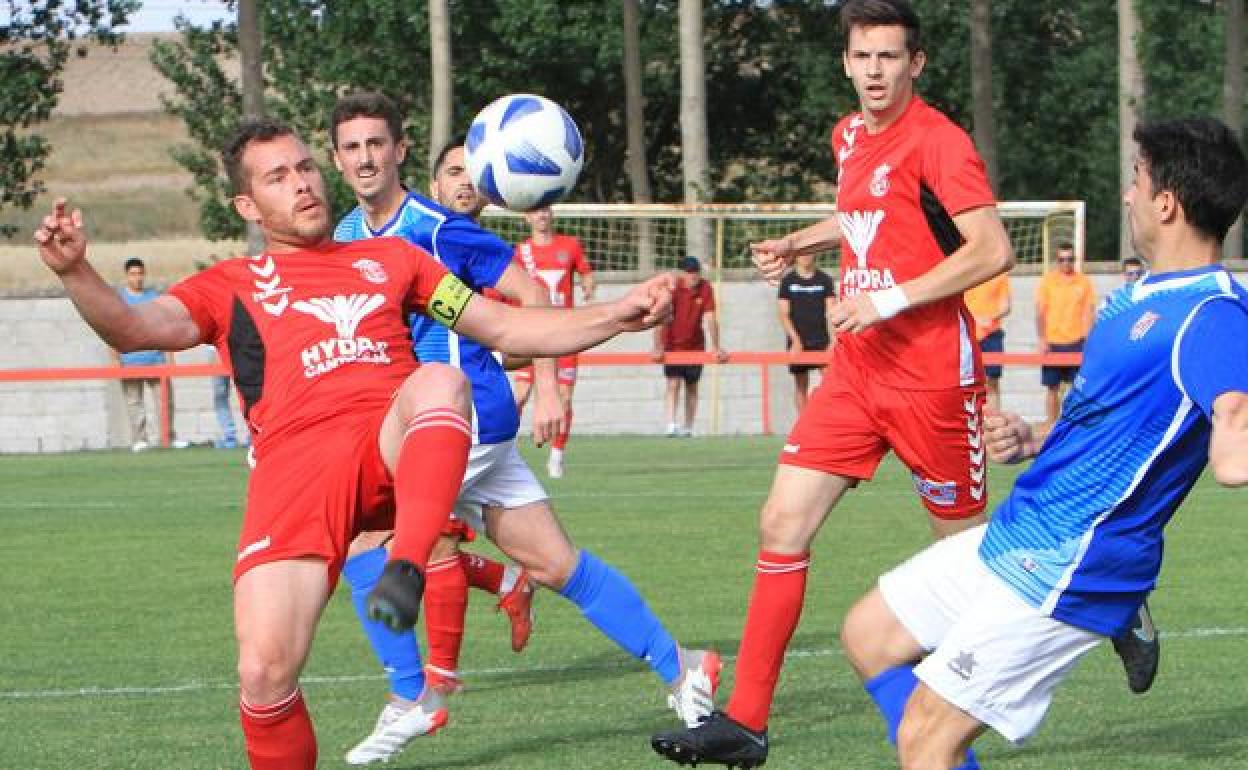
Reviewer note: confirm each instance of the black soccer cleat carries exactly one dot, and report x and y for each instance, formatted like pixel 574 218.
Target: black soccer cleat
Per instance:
pixel 1140 650
pixel 395 600
pixel 719 740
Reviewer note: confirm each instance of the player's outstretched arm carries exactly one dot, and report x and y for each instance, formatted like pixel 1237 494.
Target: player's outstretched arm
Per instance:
pixel 1228 445
pixel 541 331
pixel 1008 437
pixel 773 256
pixel 163 324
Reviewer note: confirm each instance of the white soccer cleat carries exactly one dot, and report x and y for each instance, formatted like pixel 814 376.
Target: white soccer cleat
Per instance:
pixel 554 467
pixel 138 446
pixel 400 722
pixel 693 695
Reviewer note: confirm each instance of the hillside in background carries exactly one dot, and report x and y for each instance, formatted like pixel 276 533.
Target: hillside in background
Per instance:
pixel 111 144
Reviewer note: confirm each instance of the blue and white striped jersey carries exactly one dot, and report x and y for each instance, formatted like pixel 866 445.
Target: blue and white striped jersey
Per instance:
pixel 478 258
pixel 1080 534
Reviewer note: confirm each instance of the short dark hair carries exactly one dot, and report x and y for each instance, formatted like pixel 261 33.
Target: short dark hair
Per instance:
pixel 455 141
pixel 882 13
pixel 1065 246
pixel 366 104
pixel 134 262
pixel 250 130
pixel 1132 262
pixel 1202 162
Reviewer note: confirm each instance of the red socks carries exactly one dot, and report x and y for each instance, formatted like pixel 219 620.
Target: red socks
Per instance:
pixel 446 602
pixel 561 440
pixel 279 736
pixel 775 607
pixel 427 480
pixel 482 573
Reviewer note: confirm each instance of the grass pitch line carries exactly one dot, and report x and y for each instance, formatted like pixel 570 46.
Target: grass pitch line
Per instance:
pixel 175 689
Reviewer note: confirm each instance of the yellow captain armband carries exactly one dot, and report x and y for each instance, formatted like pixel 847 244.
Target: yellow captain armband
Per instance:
pixel 449 300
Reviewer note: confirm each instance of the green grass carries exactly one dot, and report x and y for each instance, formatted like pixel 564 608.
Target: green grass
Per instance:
pixel 116 649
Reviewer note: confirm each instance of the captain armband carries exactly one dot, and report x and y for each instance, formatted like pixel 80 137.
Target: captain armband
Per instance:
pixel 448 301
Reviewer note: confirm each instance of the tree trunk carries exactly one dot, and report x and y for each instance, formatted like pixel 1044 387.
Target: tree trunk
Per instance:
pixel 1233 103
pixel 440 64
pixel 251 63
pixel 694 157
pixel 1130 100
pixel 635 121
pixel 981 86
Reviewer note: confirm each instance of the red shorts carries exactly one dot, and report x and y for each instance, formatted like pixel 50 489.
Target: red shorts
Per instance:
pixel 313 493
pixel 565 371
pixel 849 424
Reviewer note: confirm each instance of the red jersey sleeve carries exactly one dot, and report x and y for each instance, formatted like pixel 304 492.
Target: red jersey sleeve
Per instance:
pixel 579 263
pixel 208 298
pixel 954 171
pixel 708 298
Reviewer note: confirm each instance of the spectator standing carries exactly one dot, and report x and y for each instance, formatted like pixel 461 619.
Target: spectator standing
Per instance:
pixel 1065 307
pixel 803 301
pixel 693 302
pixel 1132 270
pixel 135 292
pixel 989 304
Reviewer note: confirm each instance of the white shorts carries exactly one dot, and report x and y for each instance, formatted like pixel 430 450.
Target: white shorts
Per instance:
pixel 496 476
pixel 990 653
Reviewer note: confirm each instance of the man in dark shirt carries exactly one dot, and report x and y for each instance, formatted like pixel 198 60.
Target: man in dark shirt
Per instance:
pixel 804 298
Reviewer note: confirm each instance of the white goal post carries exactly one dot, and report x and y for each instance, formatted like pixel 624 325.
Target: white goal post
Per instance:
pixel 626 240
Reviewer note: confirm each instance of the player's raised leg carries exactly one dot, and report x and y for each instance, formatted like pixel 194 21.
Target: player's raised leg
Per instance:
pixel 532 536
pixel 276 608
pixel 424 442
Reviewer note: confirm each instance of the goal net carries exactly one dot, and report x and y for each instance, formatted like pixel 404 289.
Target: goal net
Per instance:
pixel 634 239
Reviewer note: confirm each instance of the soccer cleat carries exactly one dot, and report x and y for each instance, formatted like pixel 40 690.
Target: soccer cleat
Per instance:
pixel 395 600
pixel 139 446
pixel 518 604
pixel 445 682
pixel 554 467
pixel 1140 651
pixel 400 722
pixel 693 695
pixel 719 740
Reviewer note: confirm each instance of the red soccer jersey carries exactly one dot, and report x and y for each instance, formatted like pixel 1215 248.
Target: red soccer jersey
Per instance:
pixel 897 193
pixel 684 331
pixel 553 265
pixel 311 335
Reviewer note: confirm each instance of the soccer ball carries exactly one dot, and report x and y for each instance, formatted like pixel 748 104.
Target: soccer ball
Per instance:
pixel 523 152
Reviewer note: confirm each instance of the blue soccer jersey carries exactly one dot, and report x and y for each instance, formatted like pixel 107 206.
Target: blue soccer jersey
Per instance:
pixel 1080 534
pixel 478 258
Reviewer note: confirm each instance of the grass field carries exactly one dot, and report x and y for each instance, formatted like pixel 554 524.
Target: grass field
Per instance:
pixel 116 649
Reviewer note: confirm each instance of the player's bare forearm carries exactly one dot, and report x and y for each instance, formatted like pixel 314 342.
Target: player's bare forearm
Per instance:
pixel 156 325
pixel 516 284
pixel 815 238
pixel 985 253
pixel 1228 444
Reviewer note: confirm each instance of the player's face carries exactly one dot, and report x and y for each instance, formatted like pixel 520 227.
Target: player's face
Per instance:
pixel 882 70
pixel 286 193
pixel 135 277
pixel 540 221
pixel 806 262
pixel 1065 259
pixel 369 158
pixel 1141 216
pixel 452 187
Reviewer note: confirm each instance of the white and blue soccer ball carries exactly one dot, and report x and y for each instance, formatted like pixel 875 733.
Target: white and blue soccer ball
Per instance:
pixel 524 152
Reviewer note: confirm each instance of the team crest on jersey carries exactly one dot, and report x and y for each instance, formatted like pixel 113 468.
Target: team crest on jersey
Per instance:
pixel 879 180
pixel 562 256
pixel 372 270
pixel 1143 324
pixel 344 313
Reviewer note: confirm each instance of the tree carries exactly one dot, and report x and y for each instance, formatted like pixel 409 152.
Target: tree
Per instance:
pixel 442 77
pixel 696 163
pixel 1130 100
pixel 635 127
pixel 36 39
pixel 981 85
pixel 1233 102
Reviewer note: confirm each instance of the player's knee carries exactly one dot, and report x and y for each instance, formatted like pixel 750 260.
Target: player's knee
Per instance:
pixel 436 386
pixel 265 676
pixel 856 640
pixel 781 530
pixel 446 547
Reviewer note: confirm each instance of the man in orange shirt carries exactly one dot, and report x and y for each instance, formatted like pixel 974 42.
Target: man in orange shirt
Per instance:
pixel 1065 307
pixel 989 304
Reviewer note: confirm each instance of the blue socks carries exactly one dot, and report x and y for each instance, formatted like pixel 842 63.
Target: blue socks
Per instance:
pixel 399 654
pixel 612 604
pixel 890 690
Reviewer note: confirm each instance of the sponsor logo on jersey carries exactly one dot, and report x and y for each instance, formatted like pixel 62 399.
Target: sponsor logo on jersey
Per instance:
pixel 1142 325
pixel 860 229
pixel 942 493
pixel 963 664
pixel 879 180
pixel 792 449
pixel 372 270
pixel 344 313
pixel 271 295
pixel 552 278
